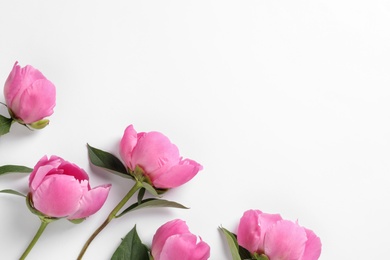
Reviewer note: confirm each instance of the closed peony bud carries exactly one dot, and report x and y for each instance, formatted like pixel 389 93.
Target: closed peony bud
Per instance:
pixel 60 189
pixel 269 234
pixel 174 241
pixel 158 158
pixel 29 96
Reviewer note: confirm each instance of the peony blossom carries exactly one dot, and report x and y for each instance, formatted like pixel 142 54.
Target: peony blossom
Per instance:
pixel 30 97
pixel 174 241
pixel 278 239
pixel 159 159
pixel 61 189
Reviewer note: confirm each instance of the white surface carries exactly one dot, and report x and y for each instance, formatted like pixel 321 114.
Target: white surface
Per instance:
pixel 285 103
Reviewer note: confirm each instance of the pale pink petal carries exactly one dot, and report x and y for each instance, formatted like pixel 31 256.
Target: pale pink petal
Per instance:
pixel 91 202
pixel 266 221
pixel 155 154
pixel 127 144
pixel 313 246
pixel 285 241
pixel 37 101
pixel 57 195
pixel 177 175
pixel 173 227
pixel 249 231
pixel 184 247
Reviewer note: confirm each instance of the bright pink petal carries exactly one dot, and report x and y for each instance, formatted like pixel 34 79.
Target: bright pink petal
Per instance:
pixel 170 228
pixel 58 195
pixel 12 84
pixel 155 154
pixel 177 175
pixel 184 247
pixel 285 241
pixel 37 101
pixel 127 144
pixel 73 170
pixel 91 202
pixel 249 231
pixel 313 246
pixel 18 80
pixel 44 167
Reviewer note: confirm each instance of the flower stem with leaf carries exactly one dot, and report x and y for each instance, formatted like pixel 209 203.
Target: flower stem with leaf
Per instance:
pixel 138 185
pixel 142 183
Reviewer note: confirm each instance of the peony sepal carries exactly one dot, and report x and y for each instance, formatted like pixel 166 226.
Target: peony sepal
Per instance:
pixel 39 124
pixel 43 217
pixel 77 221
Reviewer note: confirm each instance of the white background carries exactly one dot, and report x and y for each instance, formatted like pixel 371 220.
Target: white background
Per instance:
pixel 284 103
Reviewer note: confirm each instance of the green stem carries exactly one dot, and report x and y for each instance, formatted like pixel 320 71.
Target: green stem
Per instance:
pixel 35 239
pixel 110 217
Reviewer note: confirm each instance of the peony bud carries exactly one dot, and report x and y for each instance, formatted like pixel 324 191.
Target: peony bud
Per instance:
pixel 174 241
pixel 269 234
pixel 59 189
pixel 30 97
pixel 158 158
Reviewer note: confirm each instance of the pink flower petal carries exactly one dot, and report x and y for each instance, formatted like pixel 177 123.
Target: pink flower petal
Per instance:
pixel 37 101
pixel 155 154
pixel 127 144
pixel 249 231
pixel 266 221
pixel 170 228
pixel 18 80
pixel 313 246
pixel 177 175
pixel 285 241
pixel 91 202
pixel 73 170
pixel 44 167
pixel 57 195
pixel 184 247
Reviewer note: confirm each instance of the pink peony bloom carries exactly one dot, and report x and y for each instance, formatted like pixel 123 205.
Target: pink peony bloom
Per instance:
pixel 29 95
pixel 158 157
pixel 278 239
pixel 61 189
pixel 174 241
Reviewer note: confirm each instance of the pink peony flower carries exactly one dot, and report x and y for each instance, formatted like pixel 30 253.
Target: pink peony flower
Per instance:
pixel 278 239
pixel 174 241
pixel 158 157
pixel 61 189
pixel 30 97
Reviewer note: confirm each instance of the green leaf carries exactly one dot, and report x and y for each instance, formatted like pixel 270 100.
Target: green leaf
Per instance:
pixel 5 124
pixel 108 161
pixel 14 168
pixel 152 203
pixel 14 192
pixel 140 196
pixel 131 248
pixel 232 243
